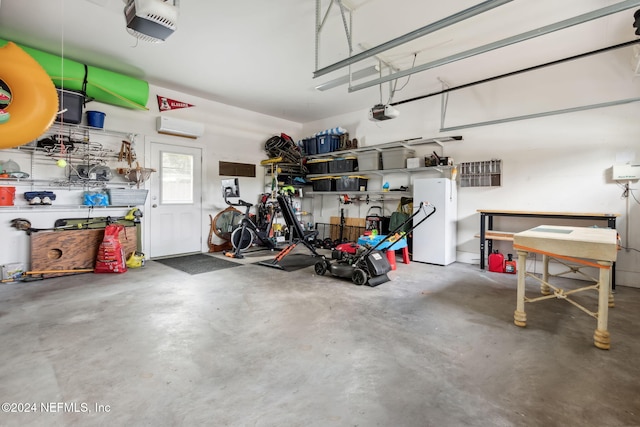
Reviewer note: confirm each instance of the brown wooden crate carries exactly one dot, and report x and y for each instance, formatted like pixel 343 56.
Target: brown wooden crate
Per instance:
pixel 72 249
pixel 353 228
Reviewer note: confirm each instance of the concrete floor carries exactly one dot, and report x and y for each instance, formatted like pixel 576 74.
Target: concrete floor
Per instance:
pixel 253 346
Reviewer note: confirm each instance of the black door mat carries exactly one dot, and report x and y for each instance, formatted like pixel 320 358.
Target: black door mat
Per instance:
pixel 197 264
pixel 294 262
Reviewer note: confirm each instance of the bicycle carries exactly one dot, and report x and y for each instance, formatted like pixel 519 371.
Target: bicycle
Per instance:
pixel 250 233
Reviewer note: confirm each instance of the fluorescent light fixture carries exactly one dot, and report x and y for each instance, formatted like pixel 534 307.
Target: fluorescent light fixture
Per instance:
pixel 360 74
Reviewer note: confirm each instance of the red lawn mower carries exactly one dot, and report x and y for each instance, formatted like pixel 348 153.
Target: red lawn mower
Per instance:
pixel 364 264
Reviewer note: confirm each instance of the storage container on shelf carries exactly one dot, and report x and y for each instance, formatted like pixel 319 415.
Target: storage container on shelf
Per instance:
pixel 396 158
pixel 327 143
pixel 73 103
pixel 415 162
pixel 310 146
pixel 343 164
pixel 351 183
pixel 127 197
pixel 369 160
pixel 7 196
pixel 317 166
pixel 324 183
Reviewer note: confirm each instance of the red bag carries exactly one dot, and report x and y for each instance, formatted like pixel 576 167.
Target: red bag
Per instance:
pixel 496 262
pixel 110 257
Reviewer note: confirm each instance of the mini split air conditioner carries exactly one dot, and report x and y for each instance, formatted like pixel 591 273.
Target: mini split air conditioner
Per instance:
pixel 178 127
pixel 626 172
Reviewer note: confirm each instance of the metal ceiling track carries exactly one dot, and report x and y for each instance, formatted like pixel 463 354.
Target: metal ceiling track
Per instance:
pixel 580 19
pixel 544 114
pixel 420 32
pixel 447 89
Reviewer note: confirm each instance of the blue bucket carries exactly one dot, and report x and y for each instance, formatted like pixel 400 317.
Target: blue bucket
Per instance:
pixel 95 119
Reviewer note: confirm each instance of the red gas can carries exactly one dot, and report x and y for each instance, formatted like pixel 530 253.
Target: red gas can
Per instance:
pixel 496 262
pixel 510 265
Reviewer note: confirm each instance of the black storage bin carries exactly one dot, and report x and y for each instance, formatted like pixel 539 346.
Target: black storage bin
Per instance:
pixel 351 183
pixel 73 102
pixel 326 183
pixel 318 166
pixel 347 164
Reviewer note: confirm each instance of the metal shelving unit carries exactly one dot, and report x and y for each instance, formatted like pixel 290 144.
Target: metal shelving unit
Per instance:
pixel 77 146
pixel 406 143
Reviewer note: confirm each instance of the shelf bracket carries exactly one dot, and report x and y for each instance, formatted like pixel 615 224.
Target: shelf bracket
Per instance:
pixel 443 103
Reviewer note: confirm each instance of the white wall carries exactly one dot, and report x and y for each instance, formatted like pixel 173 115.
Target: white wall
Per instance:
pixel 231 134
pixel 557 163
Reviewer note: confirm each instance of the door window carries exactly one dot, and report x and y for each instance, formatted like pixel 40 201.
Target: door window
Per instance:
pixel 176 186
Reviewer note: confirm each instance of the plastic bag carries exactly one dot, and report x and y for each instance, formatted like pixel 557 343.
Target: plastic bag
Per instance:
pixel 110 257
pixel 95 199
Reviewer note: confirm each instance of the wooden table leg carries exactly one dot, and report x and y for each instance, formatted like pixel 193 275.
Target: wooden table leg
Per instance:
pixel 612 302
pixel 519 316
pixel 544 288
pixel 601 337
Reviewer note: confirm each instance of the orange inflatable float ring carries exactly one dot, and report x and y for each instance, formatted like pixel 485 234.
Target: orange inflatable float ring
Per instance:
pixel 34 99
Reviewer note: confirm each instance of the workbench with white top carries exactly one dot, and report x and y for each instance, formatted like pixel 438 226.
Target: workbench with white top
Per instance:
pixel 572 246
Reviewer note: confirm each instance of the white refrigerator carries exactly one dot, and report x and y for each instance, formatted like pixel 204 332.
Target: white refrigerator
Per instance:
pixel 434 241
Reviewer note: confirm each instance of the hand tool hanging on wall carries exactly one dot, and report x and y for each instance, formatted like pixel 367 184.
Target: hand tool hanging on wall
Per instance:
pixel 24 224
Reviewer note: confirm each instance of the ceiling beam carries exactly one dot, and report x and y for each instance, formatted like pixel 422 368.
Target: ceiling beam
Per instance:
pixel 580 19
pixel 360 74
pixel 420 32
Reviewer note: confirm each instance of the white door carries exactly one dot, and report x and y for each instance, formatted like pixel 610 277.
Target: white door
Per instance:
pixel 175 219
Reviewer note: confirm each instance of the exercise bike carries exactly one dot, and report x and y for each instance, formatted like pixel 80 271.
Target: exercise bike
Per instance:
pixel 250 233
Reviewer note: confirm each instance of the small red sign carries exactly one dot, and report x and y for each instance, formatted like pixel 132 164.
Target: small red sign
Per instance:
pixel 166 104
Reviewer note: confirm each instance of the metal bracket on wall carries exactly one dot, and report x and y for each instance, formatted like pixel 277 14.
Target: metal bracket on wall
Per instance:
pixel 444 101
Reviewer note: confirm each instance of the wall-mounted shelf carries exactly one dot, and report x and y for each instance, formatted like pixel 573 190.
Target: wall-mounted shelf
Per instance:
pixel 62 184
pixel 406 143
pixel 54 207
pixel 360 194
pixel 382 172
pixel 70 129
pixel 90 165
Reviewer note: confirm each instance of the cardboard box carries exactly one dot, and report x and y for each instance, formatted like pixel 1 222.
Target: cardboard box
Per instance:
pixel 415 162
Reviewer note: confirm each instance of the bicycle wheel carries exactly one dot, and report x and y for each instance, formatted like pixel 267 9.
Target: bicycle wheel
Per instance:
pixel 242 237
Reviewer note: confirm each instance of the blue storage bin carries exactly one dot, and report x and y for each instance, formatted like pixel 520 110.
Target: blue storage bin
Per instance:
pixel 328 143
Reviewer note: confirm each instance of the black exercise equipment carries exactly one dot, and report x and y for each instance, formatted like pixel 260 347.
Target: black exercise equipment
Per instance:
pixel 249 233
pixel 296 234
pixel 368 266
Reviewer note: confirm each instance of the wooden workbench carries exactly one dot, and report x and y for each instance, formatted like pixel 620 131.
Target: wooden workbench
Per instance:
pixel 582 246
pixel 488 234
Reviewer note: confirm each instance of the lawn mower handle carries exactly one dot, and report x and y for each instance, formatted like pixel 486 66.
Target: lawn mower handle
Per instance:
pixel 401 226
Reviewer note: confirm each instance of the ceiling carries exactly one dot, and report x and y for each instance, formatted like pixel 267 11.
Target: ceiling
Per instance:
pixel 260 55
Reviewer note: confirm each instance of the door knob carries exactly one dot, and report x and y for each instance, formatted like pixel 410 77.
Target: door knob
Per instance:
pixel 154 205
